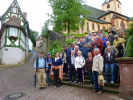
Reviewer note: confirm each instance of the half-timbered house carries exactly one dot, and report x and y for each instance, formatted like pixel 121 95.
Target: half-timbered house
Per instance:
pixel 14 35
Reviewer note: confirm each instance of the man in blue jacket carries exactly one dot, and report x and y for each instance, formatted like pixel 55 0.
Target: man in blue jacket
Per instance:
pixel 85 50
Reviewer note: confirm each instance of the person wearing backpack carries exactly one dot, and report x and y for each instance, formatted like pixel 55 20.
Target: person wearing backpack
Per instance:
pixel 109 59
pixel 41 66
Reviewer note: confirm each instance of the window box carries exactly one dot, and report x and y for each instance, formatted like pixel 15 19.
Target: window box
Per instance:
pixel 13 38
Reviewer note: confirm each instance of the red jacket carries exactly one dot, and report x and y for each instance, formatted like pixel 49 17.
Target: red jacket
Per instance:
pixel 99 43
pixel 93 52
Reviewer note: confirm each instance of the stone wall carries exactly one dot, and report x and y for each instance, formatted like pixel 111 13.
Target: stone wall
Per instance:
pixel 53 36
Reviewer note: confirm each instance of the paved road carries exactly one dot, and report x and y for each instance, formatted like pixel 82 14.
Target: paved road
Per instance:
pixel 17 79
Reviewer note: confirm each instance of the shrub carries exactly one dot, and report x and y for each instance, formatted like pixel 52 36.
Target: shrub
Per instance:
pixel 129 35
pixel 85 32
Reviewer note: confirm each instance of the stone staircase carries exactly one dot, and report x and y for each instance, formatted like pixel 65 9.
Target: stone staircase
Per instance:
pixel 108 87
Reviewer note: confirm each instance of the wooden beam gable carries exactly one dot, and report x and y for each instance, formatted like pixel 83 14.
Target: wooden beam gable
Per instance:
pixel 9 13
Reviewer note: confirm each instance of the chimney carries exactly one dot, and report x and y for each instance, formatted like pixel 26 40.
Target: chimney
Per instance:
pixel 25 15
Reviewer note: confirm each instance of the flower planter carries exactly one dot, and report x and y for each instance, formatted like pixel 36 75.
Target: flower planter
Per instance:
pixel 126 77
pixel 13 38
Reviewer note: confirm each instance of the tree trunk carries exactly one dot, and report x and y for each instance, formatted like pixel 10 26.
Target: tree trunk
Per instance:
pixel 68 27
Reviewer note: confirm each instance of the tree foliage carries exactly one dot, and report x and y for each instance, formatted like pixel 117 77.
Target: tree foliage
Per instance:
pixel 44 30
pixel 129 35
pixel 33 36
pixel 57 46
pixel 66 14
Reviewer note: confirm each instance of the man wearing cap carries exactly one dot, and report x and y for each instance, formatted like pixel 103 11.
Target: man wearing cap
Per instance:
pixel 112 31
pixel 85 50
pixel 49 61
pixel 39 66
pixel 111 38
pixel 70 47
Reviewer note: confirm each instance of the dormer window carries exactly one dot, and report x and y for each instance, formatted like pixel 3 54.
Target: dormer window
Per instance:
pixel 13 32
pixel 14 10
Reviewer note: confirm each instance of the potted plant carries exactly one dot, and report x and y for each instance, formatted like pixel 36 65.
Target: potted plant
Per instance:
pixel 13 37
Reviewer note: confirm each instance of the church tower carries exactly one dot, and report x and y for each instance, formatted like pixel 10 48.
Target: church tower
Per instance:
pixel 112 5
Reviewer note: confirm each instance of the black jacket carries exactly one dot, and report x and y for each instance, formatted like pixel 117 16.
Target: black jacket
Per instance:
pixel 69 61
pixel 112 58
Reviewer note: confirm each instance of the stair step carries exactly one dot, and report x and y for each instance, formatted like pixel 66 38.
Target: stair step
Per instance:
pixel 86 86
pixel 115 85
pixel 88 77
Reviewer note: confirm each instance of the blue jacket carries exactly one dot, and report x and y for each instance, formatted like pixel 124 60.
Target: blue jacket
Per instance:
pixel 104 42
pixel 87 40
pixel 68 53
pixel 85 51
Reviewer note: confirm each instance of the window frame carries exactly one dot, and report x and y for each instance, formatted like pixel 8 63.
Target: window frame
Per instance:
pixel 14 29
pixel 108 6
pixel 14 10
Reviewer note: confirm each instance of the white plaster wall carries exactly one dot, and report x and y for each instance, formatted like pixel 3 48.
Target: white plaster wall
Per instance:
pixel 12 56
pixel 30 44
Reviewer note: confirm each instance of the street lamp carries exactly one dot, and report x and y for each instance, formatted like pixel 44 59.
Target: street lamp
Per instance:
pixel 81 17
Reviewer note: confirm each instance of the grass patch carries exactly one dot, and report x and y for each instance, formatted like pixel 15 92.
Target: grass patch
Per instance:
pixel 75 35
pixel 20 63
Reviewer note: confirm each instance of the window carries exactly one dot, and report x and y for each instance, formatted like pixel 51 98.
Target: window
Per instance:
pixel 14 10
pixel 104 18
pixel 13 32
pixel 93 27
pixel 108 6
pixel 118 6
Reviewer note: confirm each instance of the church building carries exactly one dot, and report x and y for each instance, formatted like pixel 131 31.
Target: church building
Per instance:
pixel 14 35
pixel 110 16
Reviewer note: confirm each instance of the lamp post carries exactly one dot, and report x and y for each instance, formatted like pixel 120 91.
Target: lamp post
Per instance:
pixel 81 17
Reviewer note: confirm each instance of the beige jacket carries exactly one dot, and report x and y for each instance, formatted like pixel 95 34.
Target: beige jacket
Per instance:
pixel 64 57
pixel 97 63
pixel 79 62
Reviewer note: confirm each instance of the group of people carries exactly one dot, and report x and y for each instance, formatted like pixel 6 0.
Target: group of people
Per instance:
pixel 93 54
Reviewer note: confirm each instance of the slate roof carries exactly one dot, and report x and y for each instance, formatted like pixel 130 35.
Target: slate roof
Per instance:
pixel 96 20
pixel 94 11
pixel 109 1
pixel 13 21
pixel 129 19
pixel 107 12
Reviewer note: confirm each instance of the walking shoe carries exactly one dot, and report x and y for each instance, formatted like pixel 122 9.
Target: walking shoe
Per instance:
pixel 43 87
pixel 70 82
pixel 55 87
pixel 40 88
pixel 105 81
pixel 94 91
pixel 99 93
pixel 75 82
pixel 60 87
pixel 112 82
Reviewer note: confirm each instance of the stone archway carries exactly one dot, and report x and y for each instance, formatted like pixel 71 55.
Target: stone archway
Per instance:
pixel 122 25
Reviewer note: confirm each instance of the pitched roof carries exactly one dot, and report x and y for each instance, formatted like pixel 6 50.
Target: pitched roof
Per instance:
pixel 94 11
pixel 106 1
pixel 107 12
pixel 96 20
pixel 39 38
pixel 13 21
pixel 130 19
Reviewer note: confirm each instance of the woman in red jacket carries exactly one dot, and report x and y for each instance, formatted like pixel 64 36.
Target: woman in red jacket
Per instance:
pixel 94 46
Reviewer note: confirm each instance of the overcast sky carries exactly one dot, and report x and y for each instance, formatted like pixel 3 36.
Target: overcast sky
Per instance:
pixel 37 9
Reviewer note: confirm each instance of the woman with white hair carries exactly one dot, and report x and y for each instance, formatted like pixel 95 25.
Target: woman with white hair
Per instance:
pixel 109 59
pixel 79 64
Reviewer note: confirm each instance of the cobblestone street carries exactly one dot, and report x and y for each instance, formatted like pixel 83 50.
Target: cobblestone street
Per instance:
pixel 17 79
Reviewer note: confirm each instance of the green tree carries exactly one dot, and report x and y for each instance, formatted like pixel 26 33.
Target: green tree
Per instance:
pixel 129 36
pixel 33 36
pixel 66 14
pixel 44 30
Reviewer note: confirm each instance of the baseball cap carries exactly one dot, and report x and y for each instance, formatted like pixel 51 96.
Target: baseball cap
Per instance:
pixel 65 45
pixel 49 53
